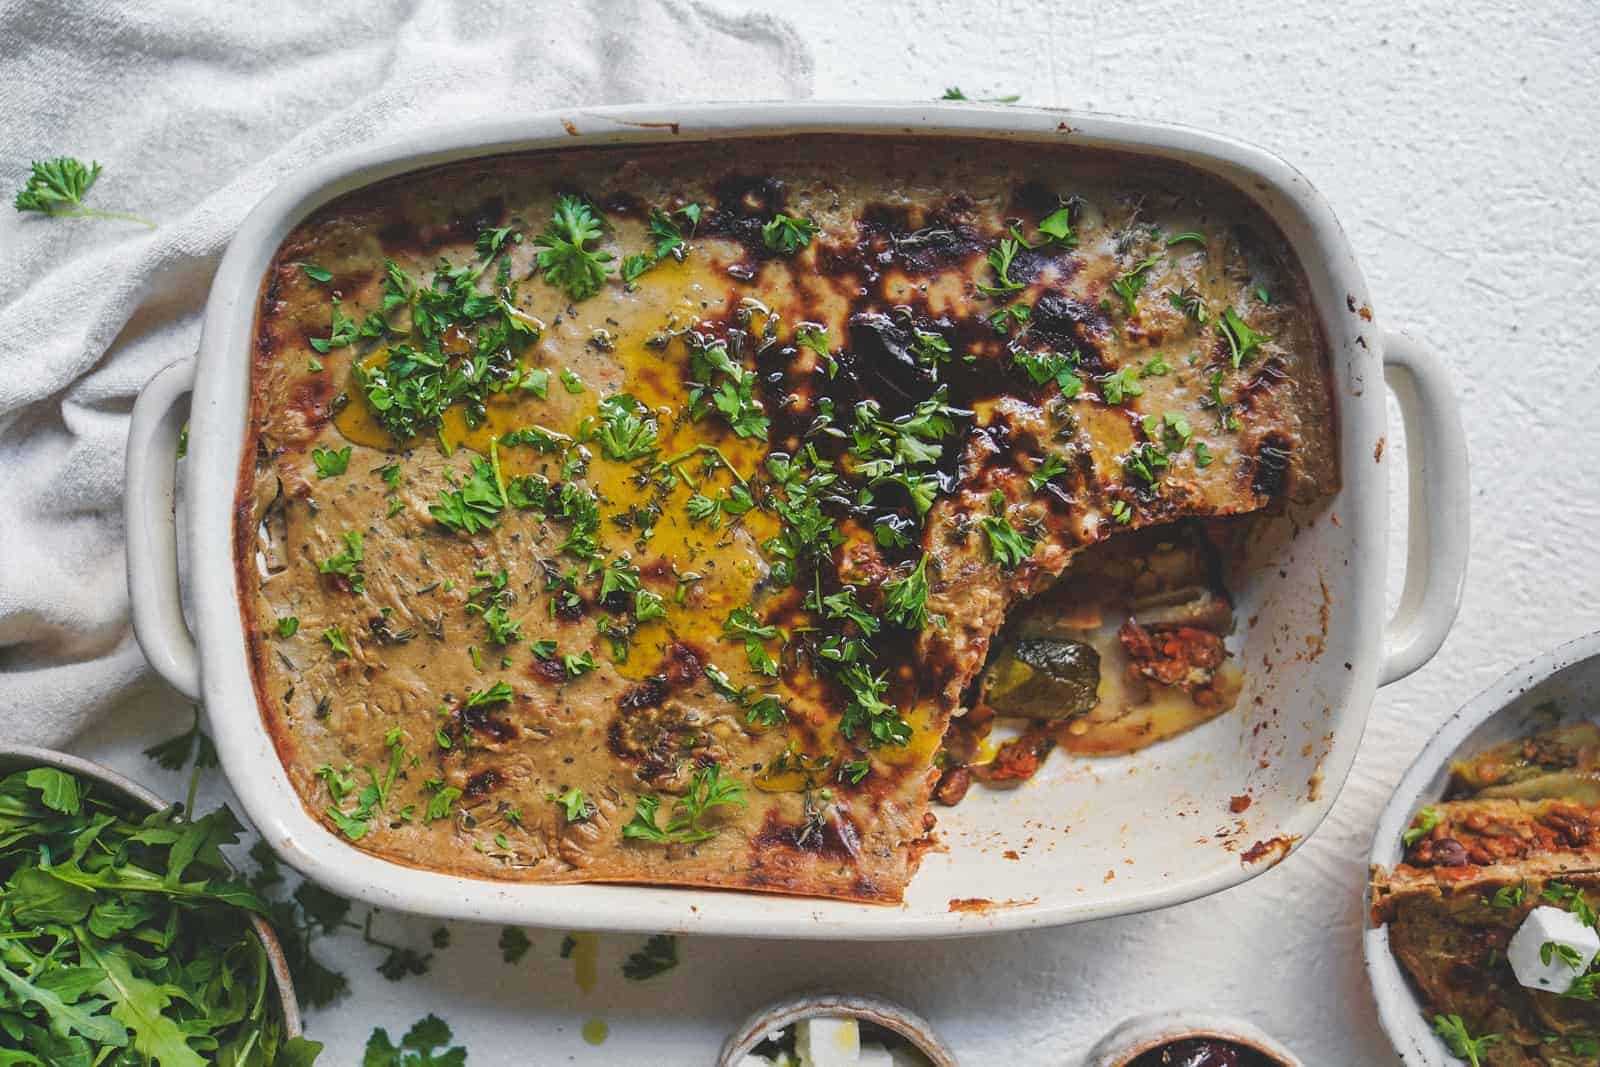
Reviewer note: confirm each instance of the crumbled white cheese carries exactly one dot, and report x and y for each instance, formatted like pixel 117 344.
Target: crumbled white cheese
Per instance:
pixel 822 1041
pixel 904 1057
pixel 1547 925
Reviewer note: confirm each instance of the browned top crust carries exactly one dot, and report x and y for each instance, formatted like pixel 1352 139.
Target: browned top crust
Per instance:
pixel 1092 384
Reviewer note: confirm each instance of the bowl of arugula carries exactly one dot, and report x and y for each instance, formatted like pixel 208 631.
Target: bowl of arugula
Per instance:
pixel 125 935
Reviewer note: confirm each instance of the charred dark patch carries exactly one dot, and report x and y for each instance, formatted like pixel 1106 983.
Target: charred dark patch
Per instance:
pixel 480 721
pixel 1271 372
pixel 1034 200
pixel 481 783
pixel 681 665
pixel 890 237
pixel 549 670
pixel 1064 324
pixel 743 204
pixel 627 205
pixel 465 227
pixel 881 360
pixel 1272 464
pixel 647 694
pixel 828 833
pixel 398 235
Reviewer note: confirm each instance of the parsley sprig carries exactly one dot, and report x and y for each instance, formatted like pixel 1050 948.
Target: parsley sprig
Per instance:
pixel 566 254
pixel 708 791
pixel 57 187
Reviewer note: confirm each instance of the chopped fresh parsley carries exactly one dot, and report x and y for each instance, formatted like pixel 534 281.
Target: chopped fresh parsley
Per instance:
pixel 288 626
pixel 572 804
pixel 330 462
pixel 627 430
pixel 1000 259
pixel 1423 825
pixel 787 235
pixel 659 955
pixel 1045 367
pixel 498 693
pixel 514 944
pixel 1242 340
pixel 580 664
pixel 744 625
pixel 334 635
pixel 905 599
pixel 867 710
pixel 720 383
pixel 1008 546
pixel 476 505
pixel 422 1046
pixel 1117 387
pixel 316 273
pixel 1052 466
pixel 708 790
pixel 1058 227
pixel 566 256
pixel 347 564
pixel 954 93
pixel 1130 283
pixel 1191 304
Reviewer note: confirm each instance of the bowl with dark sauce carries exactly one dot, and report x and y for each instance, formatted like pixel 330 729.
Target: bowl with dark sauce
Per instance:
pixel 1189 1039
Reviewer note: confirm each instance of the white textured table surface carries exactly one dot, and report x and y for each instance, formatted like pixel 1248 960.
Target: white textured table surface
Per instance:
pixel 1461 149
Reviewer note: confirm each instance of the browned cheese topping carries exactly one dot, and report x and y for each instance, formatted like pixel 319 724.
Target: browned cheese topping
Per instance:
pixel 649 514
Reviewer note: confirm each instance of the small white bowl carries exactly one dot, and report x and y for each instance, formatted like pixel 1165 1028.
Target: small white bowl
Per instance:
pixel 17 757
pixel 1144 1033
pixel 1570 676
pixel 791 1010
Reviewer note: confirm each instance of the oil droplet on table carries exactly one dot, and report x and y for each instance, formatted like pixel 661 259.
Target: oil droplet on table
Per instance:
pixel 586 961
pixel 595 1031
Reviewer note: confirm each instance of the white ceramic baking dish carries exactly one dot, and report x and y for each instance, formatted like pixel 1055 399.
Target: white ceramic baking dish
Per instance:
pixel 1570 677
pixel 1082 841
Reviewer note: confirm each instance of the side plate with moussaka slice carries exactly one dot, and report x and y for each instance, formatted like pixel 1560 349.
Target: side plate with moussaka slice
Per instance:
pixel 649 515
pixel 1491 909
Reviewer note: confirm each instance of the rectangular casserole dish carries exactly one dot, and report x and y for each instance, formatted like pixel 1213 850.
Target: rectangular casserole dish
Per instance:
pixel 1083 840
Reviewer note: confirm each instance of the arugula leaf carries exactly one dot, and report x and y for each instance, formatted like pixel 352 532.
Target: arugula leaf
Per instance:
pixel 565 254
pixel 126 936
pixel 57 187
pixel 659 955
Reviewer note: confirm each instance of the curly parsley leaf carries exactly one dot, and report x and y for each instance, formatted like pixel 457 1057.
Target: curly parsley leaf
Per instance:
pixel 1008 546
pixel 787 235
pixel 566 255
pixel 57 187
pixel 424 1045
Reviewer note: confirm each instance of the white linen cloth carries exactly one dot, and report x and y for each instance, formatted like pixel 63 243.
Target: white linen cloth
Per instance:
pixel 196 109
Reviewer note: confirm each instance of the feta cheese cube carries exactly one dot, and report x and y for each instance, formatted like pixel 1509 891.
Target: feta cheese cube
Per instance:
pixel 827 1042
pixel 875 1056
pixel 1546 925
pixel 905 1057
pixel 750 1059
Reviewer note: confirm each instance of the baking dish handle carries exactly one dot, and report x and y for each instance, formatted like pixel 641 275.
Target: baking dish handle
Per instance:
pixel 1439 506
pixel 152 525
